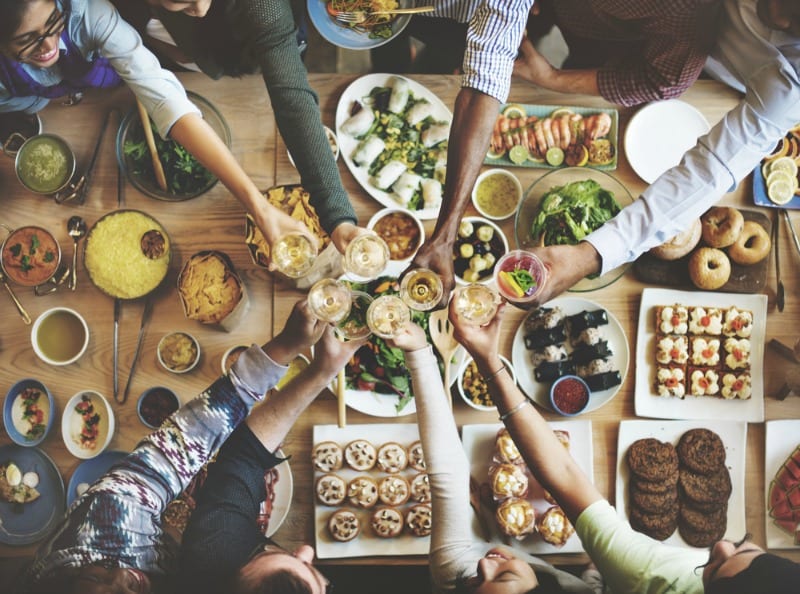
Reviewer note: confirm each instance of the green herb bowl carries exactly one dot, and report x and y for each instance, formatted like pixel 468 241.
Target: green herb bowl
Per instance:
pixel 531 203
pixel 140 174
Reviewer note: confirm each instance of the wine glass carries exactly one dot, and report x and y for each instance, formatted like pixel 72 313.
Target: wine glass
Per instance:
pixel 476 303
pixel 386 315
pixel 294 254
pixel 330 300
pixel 421 289
pixel 366 256
pixel 354 325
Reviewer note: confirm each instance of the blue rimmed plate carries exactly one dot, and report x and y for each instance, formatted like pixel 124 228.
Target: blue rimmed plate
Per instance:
pixel 91 470
pixel 346 37
pixel 13 411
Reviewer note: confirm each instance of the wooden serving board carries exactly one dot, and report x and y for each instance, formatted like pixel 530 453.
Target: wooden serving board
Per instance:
pixel 675 273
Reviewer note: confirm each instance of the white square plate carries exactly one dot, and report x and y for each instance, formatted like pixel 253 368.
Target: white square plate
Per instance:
pixel 733 435
pixel 648 404
pixel 366 543
pixel 782 438
pixel 478 441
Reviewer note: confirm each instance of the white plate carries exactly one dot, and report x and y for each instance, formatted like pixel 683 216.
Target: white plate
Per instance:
pixel 733 435
pixel 478 441
pixel 366 543
pixel 659 134
pixel 384 405
pixel 283 495
pixel 782 437
pixel 698 407
pixel 613 332
pixel 356 92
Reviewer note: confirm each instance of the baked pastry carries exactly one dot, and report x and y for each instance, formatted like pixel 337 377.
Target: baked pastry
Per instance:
pixel 394 490
pixel 416 457
pixel 651 459
pixel 672 350
pixel 701 451
pixel 505 449
pixel 508 480
pixel 752 246
pixel 672 319
pixel 681 244
pixel 722 226
pixel 516 517
pixel 360 455
pixel 419 519
pixel 659 526
pixel 738 323
pixel 343 525
pixel 554 527
pixel 705 320
pixel 392 457
pixel 670 382
pixel 330 489
pixel 736 385
pixel 703 382
pixel 386 522
pixel 327 456
pixel 562 435
pixel 704 351
pixel 362 491
pixel 421 488
pixel 737 353
pixel 706 488
pixel 709 268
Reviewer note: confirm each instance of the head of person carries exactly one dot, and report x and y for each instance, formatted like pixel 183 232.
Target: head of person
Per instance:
pixel 94 579
pixel 29 31
pixel 500 571
pixel 193 8
pixel 781 15
pixel 274 569
pixel 743 567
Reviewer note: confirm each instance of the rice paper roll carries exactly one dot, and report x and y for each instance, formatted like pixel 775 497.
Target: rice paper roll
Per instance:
pixel 368 150
pixel 405 186
pixel 388 174
pixel 359 124
pixel 431 193
pixel 434 134
pixel 399 97
pixel 418 112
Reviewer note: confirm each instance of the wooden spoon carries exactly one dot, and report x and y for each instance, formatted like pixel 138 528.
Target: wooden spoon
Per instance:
pixel 442 336
pixel 151 144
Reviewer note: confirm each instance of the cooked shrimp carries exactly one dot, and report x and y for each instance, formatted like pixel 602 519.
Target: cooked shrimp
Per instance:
pixel 547 129
pixel 555 130
pixel 564 130
pixel 597 126
pixel 497 142
pixel 538 133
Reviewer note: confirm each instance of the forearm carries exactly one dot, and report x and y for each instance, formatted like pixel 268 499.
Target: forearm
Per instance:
pixel 582 82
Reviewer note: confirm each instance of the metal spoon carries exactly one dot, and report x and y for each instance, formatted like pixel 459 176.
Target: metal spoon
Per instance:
pixel 61 274
pixel 76 227
pixel 25 317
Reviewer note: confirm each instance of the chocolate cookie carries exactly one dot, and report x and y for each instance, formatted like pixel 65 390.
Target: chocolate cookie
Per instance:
pixel 654 503
pixel 712 488
pixel 701 538
pixel 701 450
pixel 651 459
pixel 703 520
pixel 658 526
pixel 670 482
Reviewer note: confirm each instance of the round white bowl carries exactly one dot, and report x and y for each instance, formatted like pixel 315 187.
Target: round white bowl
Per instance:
pixel 72 424
pixel 35 332
pixel 13 410
pixel 386 211
pixel 191 366
pixel 517 197
pixel 477 222
pixel 463 393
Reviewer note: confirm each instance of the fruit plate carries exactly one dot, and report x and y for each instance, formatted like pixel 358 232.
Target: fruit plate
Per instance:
pixel 782 439
pixel 760 197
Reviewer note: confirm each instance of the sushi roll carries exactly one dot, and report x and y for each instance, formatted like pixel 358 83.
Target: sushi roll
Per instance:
pixel 418 112
pixel 550 354
pixel 550 371
pixel 434 134
pixel 388 174
pixel 589 336
pixel 543 318
pixel 603 381
pixel 368 150
pixel 359 123
pixel 431 193
pixel 585 352
pixel 594 367
pixel 539 339
pixel 405 186
pixel 399 97
pixel 586 319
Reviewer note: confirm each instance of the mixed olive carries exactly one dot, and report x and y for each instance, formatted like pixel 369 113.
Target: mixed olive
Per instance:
pixel 476 249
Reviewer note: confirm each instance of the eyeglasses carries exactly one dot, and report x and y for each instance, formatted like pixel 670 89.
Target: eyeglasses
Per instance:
pixel 55 25
pixel 270 548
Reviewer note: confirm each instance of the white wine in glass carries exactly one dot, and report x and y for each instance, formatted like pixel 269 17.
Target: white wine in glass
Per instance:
pixel 366 256
pixel 330 300
pixel 421 289
pixel 387 315
pixel 294 254
pixel 354 325
pixel 476 303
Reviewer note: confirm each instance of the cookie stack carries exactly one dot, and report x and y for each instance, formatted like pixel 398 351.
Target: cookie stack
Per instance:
pixel 704 487
pixel 653 487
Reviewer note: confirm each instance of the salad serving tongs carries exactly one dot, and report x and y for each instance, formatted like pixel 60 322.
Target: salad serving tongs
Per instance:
pixel 441 331
pixel 779 290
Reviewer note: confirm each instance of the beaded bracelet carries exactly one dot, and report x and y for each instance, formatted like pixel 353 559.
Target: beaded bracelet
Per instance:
pixel 514 410
pixel 492 377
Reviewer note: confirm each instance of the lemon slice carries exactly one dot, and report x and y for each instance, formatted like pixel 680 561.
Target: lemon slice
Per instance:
pixel 782 176
pixel 490 154
pixel 780 191
pixel 514 111
pixel 786 164
pixel 518 154
pixel 561 111
pixel 577 155
pixel 554 156
pixel 13 475
pixel 765 169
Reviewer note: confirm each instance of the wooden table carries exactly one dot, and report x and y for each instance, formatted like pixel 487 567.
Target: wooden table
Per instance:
pixel 217 220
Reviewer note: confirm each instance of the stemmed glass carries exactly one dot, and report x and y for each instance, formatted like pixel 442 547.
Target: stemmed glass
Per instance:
pixel 386 315
pixel 294 254
pixel 330 300
pixel 476 303
pixel 354 325
pixel 421 289
pixel 366 256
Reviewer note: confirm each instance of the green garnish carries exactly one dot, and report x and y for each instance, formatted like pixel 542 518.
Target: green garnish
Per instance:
pixel 524 279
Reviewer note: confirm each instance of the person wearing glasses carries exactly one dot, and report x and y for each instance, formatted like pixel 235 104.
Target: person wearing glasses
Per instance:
pixel 56 48
pixel 112 540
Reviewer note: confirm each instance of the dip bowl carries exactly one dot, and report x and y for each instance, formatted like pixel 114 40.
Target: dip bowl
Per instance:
pixel 402 232
pixel 474 389
pixel 60 336
pixel 569 395
pixel 178 352
pixel 87 424
pixel 45 164
pixel 155 405
pixel 29 255
pixel 28 412
pixel 497 194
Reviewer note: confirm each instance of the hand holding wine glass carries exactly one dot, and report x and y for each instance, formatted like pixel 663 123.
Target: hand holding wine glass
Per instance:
pixel 421 289
pixel 476 303
pixel 366 256
pixel 330 300
pixel 387 315
pixel 294 254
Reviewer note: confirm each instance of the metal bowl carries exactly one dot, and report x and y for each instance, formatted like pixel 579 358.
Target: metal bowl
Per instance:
pixel 141 176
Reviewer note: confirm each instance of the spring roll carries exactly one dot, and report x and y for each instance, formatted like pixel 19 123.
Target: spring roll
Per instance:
pixel 418 112
pixel 368 150
pixel 388 174
pixel 405 186
pixel 399 97
pixel 431 193
pixel 359 124
pixel 434 134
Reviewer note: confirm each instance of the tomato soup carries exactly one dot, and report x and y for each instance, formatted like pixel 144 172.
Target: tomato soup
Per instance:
pixel 30 256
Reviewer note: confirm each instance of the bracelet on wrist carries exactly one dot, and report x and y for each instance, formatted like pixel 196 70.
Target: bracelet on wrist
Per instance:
pixel 493 376
pixel 514 410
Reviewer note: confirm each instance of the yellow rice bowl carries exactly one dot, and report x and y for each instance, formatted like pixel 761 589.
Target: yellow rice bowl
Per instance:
pixel 114 257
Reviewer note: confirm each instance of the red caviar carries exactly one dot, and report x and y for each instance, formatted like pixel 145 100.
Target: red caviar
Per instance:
pixel 570 396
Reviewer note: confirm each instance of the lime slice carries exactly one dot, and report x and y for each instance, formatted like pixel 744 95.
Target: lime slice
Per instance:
pixel 490 154
pixel 518 154
pixel 786 164
pixel 554 156
pixel 780 192
pixel 775 176
pixel 13 475
pixel 514 111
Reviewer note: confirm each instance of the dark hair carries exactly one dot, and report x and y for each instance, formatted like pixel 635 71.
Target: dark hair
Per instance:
pixel 11 13
pixel 279 582
pixel 62 579
pixel 220 35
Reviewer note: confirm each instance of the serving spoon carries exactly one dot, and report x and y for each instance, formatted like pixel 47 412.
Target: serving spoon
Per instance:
pixel 76 227
pixel 24 314
pixel 59 276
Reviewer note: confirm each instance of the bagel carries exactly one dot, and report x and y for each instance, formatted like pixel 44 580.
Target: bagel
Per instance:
pixel 709 268
pixel 752 246
pixel 681 244
pixel 722 226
